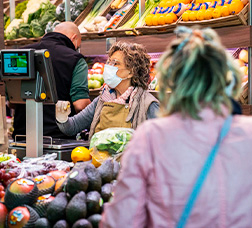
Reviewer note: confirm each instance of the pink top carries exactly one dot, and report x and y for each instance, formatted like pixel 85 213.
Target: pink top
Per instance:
pixel 161 164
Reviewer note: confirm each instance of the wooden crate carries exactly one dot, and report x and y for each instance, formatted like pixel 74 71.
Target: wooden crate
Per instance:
pixel 115 32
pixel 121 32
pixel 83 15
pixel 21 41
pixel 147 30
pixel 239 19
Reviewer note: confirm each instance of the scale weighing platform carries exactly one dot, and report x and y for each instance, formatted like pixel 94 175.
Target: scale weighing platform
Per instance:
pixel 62 147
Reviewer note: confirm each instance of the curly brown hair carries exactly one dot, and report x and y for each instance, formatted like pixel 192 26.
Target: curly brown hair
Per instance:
pixel 136 60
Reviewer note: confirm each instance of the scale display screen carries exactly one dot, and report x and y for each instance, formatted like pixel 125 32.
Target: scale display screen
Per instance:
pixel 15 64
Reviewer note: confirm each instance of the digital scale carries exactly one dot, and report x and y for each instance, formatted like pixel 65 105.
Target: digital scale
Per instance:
pixel 29 79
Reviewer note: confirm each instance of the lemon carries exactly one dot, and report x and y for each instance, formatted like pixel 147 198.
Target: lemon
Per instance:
pixel 200 15
pixel 80 154
pixel 155 19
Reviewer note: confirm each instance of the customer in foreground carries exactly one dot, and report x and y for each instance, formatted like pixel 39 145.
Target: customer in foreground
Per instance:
pixel 191 167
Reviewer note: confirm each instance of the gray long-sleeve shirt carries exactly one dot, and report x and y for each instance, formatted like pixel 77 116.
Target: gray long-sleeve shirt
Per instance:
pixel 83 119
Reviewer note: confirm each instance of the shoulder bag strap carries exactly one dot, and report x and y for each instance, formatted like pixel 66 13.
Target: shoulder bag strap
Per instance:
pixel 203 174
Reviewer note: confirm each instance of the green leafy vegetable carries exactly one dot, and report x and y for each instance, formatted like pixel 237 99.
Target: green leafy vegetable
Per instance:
pixel 36 29
pixel 24 31
pixel 20 8
pixel 12 34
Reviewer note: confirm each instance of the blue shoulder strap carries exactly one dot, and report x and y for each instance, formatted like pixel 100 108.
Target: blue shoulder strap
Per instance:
pixel 203 174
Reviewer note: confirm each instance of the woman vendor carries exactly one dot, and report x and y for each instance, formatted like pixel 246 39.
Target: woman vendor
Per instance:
pixel 124 100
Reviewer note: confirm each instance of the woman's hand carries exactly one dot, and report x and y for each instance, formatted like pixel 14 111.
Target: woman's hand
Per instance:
pixel 62 111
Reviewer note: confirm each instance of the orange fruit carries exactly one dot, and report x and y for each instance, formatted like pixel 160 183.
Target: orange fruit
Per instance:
pixel 235 7
pixel 200 15
pixel 155 19
pixel 216 13
pixel 185 15
pixel 169 3
pixel 162 4
pixel 193 15
pixel 175 2
pixel 208 14
pixel 161 19
pixel 148 19
pixel 224 11
pixel 80 153
pixel 168 18
pixel 174 17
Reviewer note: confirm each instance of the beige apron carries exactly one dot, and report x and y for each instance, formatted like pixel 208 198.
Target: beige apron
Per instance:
pixel 113 115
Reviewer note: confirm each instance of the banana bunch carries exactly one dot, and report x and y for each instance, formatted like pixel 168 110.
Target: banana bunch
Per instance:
pixel 117 4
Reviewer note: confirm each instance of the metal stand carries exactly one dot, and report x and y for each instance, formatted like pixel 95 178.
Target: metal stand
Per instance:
pixel 34 128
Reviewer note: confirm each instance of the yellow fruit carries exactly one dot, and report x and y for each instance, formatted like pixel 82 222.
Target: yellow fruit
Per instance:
pixel 235 7
pixel 243 56
pixel 155 19
pixel 185 15
pixel 200 15
pixel 244 70
pixel 80 154
pixel 148 19
pixel 161 19
pixel 208 14
pixel 239 62
pixel 224 11
pixel 216 13
pixel 99 157
pixel 193 16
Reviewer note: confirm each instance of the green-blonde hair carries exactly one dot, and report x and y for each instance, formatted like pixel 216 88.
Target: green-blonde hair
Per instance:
pixel 198 70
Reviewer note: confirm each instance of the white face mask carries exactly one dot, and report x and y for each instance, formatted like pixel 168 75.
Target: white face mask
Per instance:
pixel 110 77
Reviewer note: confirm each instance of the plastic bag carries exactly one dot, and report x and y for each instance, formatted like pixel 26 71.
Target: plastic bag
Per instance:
pixel 112 140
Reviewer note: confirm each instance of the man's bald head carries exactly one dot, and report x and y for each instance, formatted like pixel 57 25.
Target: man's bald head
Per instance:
pixel 70 30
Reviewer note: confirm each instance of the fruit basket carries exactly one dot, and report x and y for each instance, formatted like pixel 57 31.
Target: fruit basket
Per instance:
pixel 238 19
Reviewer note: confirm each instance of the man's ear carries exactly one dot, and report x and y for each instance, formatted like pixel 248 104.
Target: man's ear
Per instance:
pixel 73 37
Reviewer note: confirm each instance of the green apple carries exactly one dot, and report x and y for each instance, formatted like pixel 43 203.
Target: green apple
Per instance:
pixel 97 84
pixel 99 77
pixel 91 84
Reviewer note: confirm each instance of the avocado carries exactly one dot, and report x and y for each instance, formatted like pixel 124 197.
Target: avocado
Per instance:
pixel 61 224
pixel 94 178
pixel 56 210
pixel 93 202
pixel 77 181
pixel 106 171
pixel 77 208
pixel 42 223
pixel 106 192
pixel 94 220
pixel 82 223
pixel 116 169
